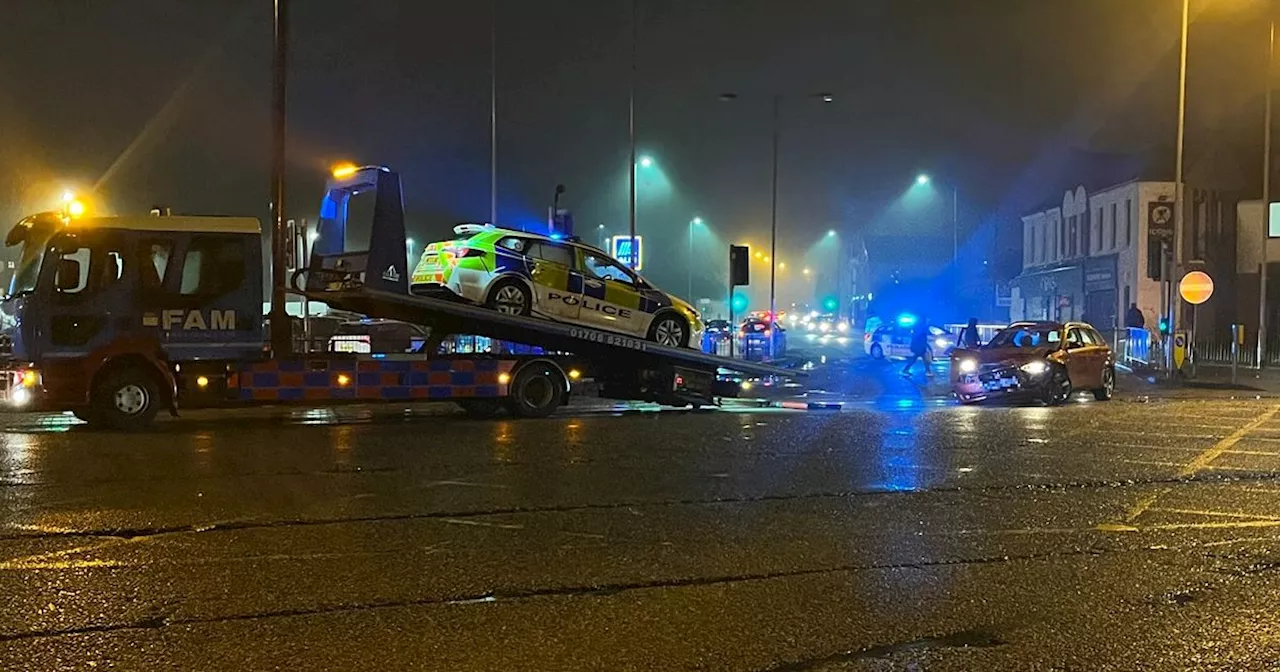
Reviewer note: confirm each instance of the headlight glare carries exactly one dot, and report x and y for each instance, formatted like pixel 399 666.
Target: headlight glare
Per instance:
pixel 968 366
pixel 1035 368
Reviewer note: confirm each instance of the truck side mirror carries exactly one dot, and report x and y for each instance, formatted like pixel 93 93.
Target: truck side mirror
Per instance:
pixel 68 277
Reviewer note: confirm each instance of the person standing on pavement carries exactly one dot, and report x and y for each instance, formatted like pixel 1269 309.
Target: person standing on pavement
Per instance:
pixel 919 348
pixel 1133 318
pixel 969 335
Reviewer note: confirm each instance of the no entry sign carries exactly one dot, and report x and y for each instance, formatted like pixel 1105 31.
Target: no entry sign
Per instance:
pixel 1196 287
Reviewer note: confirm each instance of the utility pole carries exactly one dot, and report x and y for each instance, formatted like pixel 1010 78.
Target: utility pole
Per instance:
pixel 281 326
pixel 1178 209
pixel 773 220
pixel 493 116
pixel 1266 187
pixel 632 258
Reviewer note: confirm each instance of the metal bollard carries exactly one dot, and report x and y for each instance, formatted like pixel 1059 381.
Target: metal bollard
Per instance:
pixel 1237 334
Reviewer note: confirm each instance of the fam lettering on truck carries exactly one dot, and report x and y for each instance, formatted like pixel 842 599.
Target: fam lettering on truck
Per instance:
pixel 191 320
pixel 590 304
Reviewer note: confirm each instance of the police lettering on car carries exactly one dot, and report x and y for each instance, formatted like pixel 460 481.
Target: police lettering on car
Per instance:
pixel 590 304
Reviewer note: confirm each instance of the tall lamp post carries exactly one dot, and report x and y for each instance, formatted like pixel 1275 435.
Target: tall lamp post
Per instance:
pixel 281 327
pixel 773 190
pixel 696 221
pixel 1266 185
pixel 923 179
pixel 1177 186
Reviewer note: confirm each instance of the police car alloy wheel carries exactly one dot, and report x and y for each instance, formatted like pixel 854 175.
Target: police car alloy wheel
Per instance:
pixel 669 331
pixel 510 298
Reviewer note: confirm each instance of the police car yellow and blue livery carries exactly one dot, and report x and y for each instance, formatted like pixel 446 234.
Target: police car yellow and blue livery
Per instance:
pixel 519 273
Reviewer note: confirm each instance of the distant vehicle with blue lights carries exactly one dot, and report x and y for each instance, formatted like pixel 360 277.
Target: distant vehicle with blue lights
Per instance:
pixel 526 274
pixel 1048 361
pixel 893 340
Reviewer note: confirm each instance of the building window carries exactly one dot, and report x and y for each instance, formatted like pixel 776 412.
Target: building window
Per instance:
pixel 1044 245
pixel 1128 222
pixel 1097 232
pixel 1115 207
pixel 1031 247
pixel 1071 236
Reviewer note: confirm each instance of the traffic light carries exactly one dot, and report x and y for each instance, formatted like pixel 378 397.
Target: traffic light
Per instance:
pixel 739 265
pixel 830 304
pixel 1164 326
pixel 739 302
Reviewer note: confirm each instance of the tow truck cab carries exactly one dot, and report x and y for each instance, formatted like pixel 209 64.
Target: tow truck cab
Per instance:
pixel 121 303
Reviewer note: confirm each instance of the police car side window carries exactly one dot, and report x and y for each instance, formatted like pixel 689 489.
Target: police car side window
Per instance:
pixel 517 245
pixel 606 270
pixel 556 254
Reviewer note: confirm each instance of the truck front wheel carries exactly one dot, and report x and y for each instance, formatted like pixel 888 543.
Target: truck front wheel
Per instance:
pixel 126 398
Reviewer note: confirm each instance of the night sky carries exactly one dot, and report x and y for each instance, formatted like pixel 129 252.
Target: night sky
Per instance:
pixel 167 101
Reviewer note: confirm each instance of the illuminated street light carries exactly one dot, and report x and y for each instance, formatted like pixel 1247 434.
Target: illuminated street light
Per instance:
pixel 759 255
pixel 696 221
pixel 922 179
pixel 782 265
pixel 831 232
pixel 646 162
pixel 75 208
pixel 344 170
pixel 806 271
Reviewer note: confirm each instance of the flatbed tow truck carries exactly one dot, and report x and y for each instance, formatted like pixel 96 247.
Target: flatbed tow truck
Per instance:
pixel 117 318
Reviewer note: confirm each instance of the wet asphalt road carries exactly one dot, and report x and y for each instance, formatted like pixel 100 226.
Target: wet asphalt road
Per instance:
pixel 904 532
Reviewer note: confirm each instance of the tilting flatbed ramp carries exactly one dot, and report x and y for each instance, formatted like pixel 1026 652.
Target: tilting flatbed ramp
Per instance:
pixel 451 318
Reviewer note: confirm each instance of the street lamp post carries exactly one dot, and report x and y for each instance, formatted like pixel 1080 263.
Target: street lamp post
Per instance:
pixel 923 179
pixel 692 223
pixel 1177 185
pixel 773 193
pixel 1266 186
pixel 631 131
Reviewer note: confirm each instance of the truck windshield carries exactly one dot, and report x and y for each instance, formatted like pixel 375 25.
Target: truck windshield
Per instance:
pixel 24 280
pixel 32 235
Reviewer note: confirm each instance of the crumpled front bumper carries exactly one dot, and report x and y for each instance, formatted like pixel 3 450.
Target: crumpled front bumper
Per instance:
pixel 999 382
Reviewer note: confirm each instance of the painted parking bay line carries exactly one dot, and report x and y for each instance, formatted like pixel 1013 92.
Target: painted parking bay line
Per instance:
pixel 1203 459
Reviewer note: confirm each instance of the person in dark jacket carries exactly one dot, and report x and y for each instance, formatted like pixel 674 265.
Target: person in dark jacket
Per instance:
pixel 969 335
pixel 919 348
pixel 1133 317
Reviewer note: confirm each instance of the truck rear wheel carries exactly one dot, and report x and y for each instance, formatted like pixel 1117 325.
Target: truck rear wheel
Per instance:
pixel 126 398
pixel 536 390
